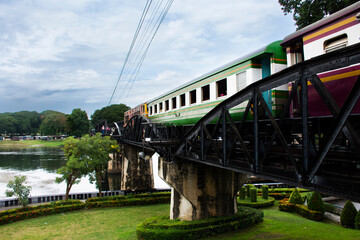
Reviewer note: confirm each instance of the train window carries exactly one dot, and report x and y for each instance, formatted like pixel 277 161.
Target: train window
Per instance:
pixel 205 90
pixel 221 88
pixel 240 81
pixel 155 110
pixel 193 96
pixel 335 43
pixel 151 111
pixel 182 100
pixel 173 102
pixel 167 105
pixel 160 107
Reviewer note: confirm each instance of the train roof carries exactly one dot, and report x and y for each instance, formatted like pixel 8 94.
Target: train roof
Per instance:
pixel 288 40
pixel 273 47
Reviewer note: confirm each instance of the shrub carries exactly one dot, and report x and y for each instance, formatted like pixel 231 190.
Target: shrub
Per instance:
pixel 253 194
pixel 242 193
pixel 295 197
pixel 248 187
pixel 357 220
pixel 261 203
pixel 19 190
pixel 315 203
pixel 162 227
pixel 265 191
pixel 348 215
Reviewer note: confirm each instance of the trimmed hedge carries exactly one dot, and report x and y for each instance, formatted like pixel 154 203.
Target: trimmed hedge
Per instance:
pixel 295 197
pixel 316 203
pixel 348 215
pixel 18 216
pixel 242 193
pixel 253 194
pixel 261 203
pixel 161 228
pixel 120 197
pixel 265 191
pixel 357 220
pixel 286 206
pixel 127 202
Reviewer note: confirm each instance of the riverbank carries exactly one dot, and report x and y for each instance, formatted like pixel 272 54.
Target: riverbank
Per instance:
pixel 31 144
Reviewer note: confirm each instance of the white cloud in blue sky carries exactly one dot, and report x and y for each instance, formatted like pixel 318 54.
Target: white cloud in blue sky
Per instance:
pixel 61 55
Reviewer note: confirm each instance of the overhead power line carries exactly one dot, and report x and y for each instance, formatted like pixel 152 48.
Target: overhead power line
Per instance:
pixel 140 45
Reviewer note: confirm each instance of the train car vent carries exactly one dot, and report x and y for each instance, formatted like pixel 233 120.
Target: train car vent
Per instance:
pixel 336 43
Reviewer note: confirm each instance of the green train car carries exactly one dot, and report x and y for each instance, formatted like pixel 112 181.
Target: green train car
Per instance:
pixel 188 103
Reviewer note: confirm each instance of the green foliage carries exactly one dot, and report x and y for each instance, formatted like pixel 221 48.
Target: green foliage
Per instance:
pixel 53 123
pixel 20 123
pixel 295 197
pixel 112 113
pixel 78 123
pixel 248 187
pixel 348 215
pixel 19 190
pixel 357 220
pixel 286 206
pixel 160 228
pixel 76 164
pixel 121 197
pixel 265 191
pixel 260 203
pixel 316 203
pixel 253 194
pixel 309 11
pixel 242 193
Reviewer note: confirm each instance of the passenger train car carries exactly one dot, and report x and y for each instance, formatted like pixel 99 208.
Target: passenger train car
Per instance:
pixel 337 31
pixel 186 104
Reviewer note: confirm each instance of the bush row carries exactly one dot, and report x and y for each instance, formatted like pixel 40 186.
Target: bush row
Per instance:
pixel 286 206
pixel 127 202
pixel 18 216
pixel 41 206
pixel 163 228
pixel 118 197
pixel 258 204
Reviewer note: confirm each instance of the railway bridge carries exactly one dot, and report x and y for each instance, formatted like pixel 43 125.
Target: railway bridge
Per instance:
pixel 207 163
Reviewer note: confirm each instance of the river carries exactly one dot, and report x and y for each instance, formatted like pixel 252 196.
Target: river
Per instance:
pixel 39 165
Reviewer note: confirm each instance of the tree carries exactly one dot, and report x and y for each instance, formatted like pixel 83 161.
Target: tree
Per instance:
pixel 7 124
pixel 19 190
pixel 306 12
pixel 78 122
pixel 98 155
pixel 112 113
pixel 53 123
pixel 76 164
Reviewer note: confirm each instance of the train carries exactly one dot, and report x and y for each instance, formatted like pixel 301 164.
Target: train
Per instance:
pixel 188 103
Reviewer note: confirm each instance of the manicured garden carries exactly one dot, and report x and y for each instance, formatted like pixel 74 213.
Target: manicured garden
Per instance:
pixel 146 216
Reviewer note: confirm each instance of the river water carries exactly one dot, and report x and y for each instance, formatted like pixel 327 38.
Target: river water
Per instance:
pixel 39 165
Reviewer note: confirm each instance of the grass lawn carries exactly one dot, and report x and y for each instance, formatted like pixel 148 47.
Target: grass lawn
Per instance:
pixel 120 223
pixel 30 143
pixel 107 223
pixel 283 225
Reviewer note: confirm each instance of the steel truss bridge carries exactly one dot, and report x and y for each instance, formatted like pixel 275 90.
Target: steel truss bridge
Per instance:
pixel 319 153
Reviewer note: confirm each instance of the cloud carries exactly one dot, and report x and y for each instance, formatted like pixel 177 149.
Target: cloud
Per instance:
pixel 62 55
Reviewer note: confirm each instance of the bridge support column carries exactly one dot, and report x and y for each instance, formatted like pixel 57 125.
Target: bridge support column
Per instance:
pixel 136 172
pixel 200 191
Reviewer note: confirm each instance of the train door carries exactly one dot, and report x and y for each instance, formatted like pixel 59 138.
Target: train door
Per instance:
pixel 266 71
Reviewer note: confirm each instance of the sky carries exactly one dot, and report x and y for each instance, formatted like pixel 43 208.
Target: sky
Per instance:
pixel 62 55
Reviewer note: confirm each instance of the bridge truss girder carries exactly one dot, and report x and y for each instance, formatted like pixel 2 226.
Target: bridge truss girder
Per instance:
pixel 320 153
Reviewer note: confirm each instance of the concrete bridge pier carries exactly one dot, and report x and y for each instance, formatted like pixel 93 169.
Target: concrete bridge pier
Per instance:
pixel 199 190
pixel 136 171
